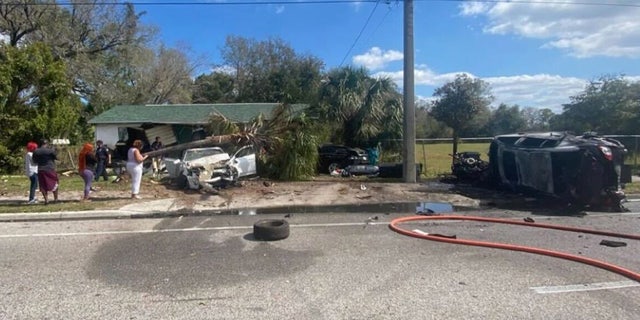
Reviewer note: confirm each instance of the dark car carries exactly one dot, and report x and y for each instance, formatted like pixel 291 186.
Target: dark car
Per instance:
pixel 332 157
pixel 585 170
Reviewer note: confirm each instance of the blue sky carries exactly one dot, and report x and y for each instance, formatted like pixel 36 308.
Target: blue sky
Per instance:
pixel 534 53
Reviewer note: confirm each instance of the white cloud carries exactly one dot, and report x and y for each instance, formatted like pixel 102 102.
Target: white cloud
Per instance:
pixel 538 91
pixel 376 58
pixel 226 69
pixel 356 5
pixel 279 9
pixel 579 29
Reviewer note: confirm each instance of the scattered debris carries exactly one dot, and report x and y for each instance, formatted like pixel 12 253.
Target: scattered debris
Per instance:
pixel 614 244
pixel 288 215
pixel 267 183
pixel 527 219
pixel 363 187
pixel 443 235
pixel 431 208
pixel 364 196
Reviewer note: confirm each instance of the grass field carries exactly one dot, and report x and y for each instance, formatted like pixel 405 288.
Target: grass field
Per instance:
pixel 436 159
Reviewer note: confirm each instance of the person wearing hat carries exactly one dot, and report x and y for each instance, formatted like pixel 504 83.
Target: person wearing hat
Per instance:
pixel 31 171
pixel 45 157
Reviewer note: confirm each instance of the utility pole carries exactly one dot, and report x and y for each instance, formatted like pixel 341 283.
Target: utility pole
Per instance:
pixel 409 119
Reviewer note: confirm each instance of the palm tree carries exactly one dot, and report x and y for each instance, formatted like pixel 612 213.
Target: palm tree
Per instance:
pixel 358 108
pixel 287 148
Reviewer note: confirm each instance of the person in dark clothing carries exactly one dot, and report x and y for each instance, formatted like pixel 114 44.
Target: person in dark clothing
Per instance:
pixel 45 157
pixel 104 159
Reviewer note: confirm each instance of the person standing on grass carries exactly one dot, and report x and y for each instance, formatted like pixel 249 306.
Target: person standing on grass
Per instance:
pixel 31 171
pixel 104 159
pixel 134 167
pixel 86 165
pixel 45 157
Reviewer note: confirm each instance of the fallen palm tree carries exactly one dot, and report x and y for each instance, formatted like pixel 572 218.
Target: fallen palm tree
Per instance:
pixel 285 142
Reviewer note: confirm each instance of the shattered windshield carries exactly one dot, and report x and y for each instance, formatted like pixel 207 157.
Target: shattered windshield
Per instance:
pixel 193 154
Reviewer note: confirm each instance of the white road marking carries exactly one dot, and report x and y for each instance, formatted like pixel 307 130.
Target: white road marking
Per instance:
pixel 116 232
pixel 586 287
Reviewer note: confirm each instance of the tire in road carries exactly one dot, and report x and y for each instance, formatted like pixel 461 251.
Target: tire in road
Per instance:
pixel 271 229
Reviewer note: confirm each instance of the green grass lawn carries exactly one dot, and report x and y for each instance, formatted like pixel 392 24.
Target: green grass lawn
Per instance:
pixel 436 160
pixel 19 185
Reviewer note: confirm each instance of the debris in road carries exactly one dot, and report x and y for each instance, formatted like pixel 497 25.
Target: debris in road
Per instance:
pixel 363 187
pixel 364 197
pixel 527 219
pixel 370 219
pixel 443 235
pixel 433 208
pixel 614 244
pixel 267 183
pixel 271 229
pixel 288 215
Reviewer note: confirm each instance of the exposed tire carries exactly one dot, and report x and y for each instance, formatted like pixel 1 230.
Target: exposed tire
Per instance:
pixel 271 229
pixel 181 182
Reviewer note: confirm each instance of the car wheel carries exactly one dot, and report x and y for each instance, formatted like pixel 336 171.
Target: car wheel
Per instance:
pixel 181 182
pixel 271 229
pixel 333 166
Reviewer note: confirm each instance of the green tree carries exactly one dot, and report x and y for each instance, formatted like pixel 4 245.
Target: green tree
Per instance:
pixel 537 119
pixel 216 87
pixel 271 71
pixel 606 106
pixel 428 127
pixel 505 119
pixel 358 109
pixel 38 101
pixel 459 102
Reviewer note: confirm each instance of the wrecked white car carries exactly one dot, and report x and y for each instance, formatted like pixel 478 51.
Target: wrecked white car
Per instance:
pixel 211 167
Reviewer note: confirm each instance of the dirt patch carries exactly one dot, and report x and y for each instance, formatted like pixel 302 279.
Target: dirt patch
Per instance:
pixel 261 193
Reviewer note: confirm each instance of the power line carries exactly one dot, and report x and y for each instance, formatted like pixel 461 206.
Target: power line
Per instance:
pixel 360 34
pixel 381 21
pixel 303 2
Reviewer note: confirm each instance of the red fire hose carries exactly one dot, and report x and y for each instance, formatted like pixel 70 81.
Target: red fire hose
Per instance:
pixel 597 263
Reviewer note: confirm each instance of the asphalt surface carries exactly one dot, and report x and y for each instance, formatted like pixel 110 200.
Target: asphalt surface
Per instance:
pixel 116 265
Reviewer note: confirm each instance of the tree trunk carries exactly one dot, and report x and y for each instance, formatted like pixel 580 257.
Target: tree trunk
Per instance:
pixel 238 139
pixel 455 142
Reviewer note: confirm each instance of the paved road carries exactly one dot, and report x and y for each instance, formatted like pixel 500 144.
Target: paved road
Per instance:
pixel 333 266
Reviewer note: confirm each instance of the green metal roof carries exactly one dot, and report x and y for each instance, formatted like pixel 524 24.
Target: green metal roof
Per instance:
pixel 186 113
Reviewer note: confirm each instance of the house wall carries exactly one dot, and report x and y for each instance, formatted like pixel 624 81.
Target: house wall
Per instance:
pixel 169 134
pixel 108 133
pixel 165 132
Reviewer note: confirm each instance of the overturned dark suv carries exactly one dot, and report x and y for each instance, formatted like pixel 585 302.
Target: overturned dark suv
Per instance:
pixel 584 170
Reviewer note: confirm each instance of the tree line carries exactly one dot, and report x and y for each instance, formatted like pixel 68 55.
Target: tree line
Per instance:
pixel 60 65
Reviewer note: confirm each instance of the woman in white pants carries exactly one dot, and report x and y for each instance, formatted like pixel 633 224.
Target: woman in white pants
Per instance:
pixel 134 167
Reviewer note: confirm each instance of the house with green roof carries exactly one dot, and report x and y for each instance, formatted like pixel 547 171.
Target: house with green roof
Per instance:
pixel 172 123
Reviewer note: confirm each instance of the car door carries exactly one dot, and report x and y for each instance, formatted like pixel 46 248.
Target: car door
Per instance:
pixel 245 161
